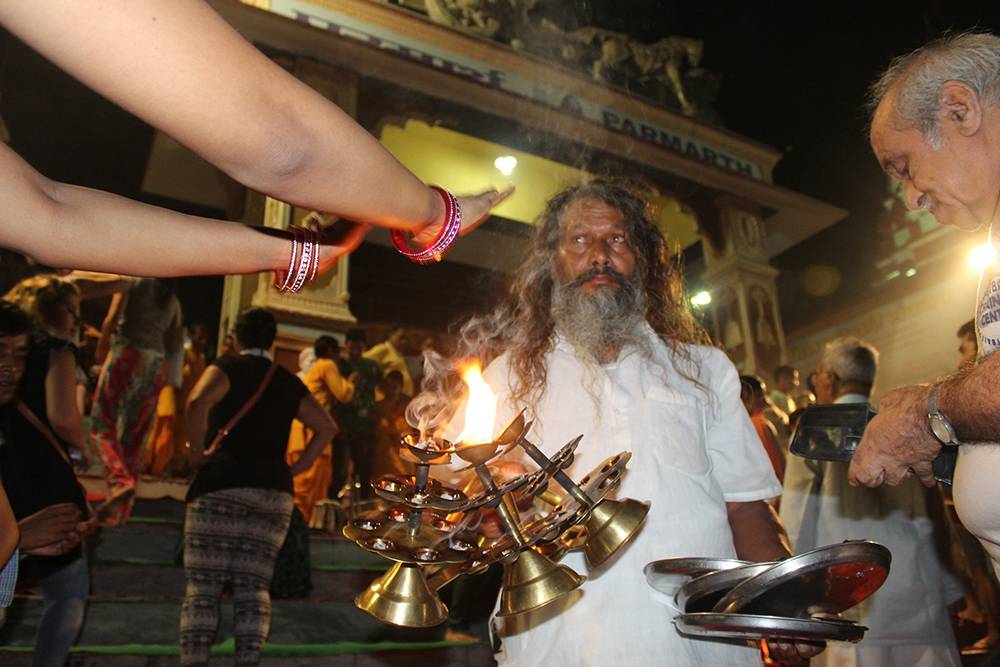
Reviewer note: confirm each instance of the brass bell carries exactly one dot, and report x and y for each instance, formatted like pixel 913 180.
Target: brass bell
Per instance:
pixel 533 581
pixel 611 525
pixel 402 597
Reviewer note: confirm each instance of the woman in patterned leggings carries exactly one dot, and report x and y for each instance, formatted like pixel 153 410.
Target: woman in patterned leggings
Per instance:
pixel 240 503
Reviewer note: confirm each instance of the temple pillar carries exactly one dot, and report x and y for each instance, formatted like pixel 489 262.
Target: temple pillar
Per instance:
pixel 744 314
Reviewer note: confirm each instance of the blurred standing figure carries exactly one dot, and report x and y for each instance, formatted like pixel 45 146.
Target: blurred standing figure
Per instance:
pixel 148 322
pixel 968 346
pixel 389 355
pixel 415 363
pixel 389 415
pixel 908 618
pixel 53 304
pixel 786 381
pixel 356 439
pixel 753 394
pixel 228 347
pixel 167 452
pixel 323 380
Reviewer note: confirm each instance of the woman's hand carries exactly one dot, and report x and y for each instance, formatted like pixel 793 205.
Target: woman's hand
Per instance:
pixel 50 531
pixel 339 240
pixel 475 211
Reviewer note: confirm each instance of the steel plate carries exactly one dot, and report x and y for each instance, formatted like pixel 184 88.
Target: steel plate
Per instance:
pixel 825 580
pixel 669 574
pixel 751 626
pixel 702 593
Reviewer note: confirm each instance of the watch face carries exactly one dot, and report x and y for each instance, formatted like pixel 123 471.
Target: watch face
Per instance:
pixel 941 430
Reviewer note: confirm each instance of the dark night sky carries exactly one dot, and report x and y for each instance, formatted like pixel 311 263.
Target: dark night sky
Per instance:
pixel 794 77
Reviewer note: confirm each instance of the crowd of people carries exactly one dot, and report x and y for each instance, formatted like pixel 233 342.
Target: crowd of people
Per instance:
pixel 141 396
pixel 594 334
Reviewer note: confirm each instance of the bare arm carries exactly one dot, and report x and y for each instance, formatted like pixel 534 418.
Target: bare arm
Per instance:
pixel 209 390
pixel 181 68
pixel 96 284
pixel 61 406
pixel 757 532
pixel 173 338
pixel 323 428
pixel 341 388
pixel 108 327
pixel 52 530
pixel 971 403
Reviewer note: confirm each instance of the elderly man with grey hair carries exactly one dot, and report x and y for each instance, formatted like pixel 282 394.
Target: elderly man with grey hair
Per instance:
pixel 936 128
pixel 908 617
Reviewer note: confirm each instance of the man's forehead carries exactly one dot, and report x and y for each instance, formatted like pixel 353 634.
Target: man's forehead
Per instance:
pixel 888 134
pixel 590 211
pixel 882 123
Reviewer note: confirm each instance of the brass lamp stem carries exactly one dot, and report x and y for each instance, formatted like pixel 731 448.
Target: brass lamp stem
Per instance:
pixel 561 477
pixel 423 474
pixel 506 509
pixel 420 484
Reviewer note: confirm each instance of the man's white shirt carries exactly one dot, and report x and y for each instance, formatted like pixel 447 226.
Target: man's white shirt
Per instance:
pixel 693 449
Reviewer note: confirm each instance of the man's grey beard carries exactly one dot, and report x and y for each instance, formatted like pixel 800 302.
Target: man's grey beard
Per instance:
pixel 602 323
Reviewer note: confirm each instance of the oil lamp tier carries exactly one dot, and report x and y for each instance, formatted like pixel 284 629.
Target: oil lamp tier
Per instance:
pixel 422 531
pixel 391 535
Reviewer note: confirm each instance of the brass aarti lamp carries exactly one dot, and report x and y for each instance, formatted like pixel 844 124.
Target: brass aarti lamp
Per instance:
pixel 423 531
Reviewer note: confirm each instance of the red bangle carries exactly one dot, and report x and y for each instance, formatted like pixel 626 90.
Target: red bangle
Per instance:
pixel 435 250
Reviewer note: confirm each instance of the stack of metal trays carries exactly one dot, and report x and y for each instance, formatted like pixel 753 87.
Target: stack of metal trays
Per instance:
pixel 799 599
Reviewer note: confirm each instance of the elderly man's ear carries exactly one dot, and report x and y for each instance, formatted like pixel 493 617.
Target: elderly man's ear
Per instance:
pixel 960 108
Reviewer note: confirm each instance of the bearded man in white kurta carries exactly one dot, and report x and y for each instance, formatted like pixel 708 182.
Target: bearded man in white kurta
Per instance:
pixel 594 338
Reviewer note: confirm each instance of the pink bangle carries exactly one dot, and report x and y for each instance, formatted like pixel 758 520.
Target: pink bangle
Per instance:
pixel 283 282
pixel 303 264
pixel 435 250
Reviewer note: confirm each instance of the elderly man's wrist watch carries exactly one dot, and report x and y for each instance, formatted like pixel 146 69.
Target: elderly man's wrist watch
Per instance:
pixel 940 426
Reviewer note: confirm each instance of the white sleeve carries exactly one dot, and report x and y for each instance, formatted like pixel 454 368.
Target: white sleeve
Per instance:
pixel 739 462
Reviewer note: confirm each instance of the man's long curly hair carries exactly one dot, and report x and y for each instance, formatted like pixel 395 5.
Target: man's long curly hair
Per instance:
pixel 522 323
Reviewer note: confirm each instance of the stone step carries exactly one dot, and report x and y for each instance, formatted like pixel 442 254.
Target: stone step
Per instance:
pixel 472 655
pixel 299 622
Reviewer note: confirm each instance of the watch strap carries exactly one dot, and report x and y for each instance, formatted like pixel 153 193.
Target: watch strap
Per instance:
pixel 936 417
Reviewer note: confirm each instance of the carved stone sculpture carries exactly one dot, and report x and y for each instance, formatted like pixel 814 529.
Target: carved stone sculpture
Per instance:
pixel 667 71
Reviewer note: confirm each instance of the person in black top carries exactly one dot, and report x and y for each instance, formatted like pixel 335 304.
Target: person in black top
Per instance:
pixel 240 502
pixel 37 475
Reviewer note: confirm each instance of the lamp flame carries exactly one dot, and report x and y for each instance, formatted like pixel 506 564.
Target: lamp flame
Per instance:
pixel 480 408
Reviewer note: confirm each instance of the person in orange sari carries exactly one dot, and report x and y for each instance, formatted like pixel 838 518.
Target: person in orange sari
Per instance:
pixel 166 452
pixel 328 387
pixel 753 393
pixel 390 426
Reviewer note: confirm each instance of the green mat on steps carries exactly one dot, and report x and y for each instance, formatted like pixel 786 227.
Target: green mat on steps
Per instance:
pixel 227 648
